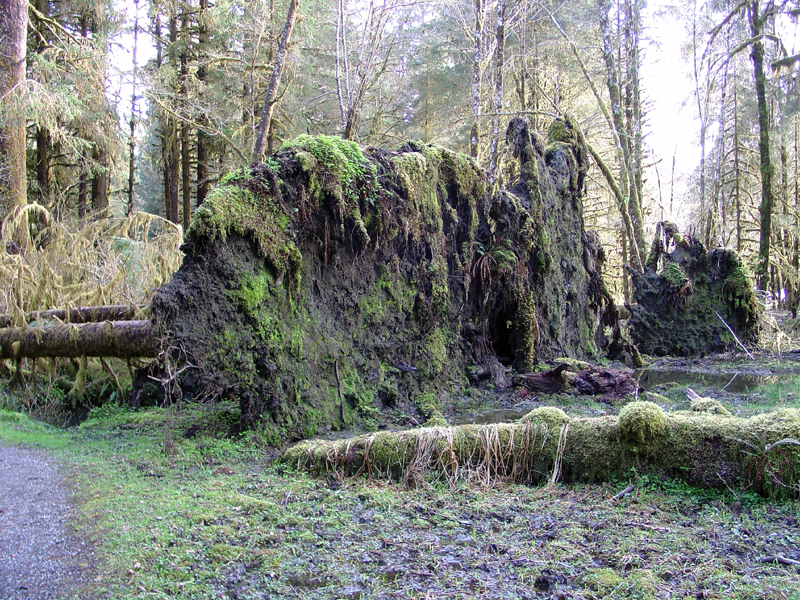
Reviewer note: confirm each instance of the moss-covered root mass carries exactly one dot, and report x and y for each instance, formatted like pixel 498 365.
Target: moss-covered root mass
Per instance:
pixel 335 286
pixel 687 297
pixel 701 448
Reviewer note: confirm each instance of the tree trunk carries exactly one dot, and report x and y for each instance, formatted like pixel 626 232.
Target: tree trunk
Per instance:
pixel 44 141
pixel 628 178
pixel 100 183
pixel 83 185
pixel 186 166
pixel 477 57
pixel 170 143
pixel 204 39
pixel 701 447
pixel 13 31
pixel 186 175
pixel 120 339
pixel 134 110
pixel 497 103
pixel 275 80
pixel 757 55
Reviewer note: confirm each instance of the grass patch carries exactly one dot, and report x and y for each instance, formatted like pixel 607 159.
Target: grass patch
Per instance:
pixel 210 517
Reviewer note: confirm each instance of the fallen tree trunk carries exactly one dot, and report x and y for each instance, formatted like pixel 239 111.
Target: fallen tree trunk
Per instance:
pixel 761 452
pixel 120 339
pixel 82 314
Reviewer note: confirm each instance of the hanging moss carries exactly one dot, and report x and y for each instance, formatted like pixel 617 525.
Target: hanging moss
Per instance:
pixel 758 453
pixel 231 209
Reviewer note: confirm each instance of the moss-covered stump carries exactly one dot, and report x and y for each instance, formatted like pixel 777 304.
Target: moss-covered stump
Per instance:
pixel 685 294
pixel 705 449
pixel 335 285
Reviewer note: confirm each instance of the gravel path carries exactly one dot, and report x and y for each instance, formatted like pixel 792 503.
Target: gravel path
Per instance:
pixel 40 557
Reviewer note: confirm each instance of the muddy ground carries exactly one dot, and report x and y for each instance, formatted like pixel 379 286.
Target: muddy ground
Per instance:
pixel 186 513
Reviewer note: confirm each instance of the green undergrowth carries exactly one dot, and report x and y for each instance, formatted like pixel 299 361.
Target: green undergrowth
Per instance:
pixel 202 516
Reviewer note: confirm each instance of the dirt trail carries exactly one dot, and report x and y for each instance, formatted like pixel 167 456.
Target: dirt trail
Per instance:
pixel 40 557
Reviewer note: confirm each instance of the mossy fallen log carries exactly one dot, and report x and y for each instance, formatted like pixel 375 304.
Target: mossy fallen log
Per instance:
pixel 120 339
pixel 81 314
pixel 701 448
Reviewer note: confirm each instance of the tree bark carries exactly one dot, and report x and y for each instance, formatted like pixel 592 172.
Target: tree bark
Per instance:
pixel 477 58
pixel 13 31
pixel 204 39
pixel 44 142
pixel 275 80
pixel 699 447
pixel 628 177
pixel 120 339
pixel 756 21
pixel 134 110
pixel 100 183
pixel 499 65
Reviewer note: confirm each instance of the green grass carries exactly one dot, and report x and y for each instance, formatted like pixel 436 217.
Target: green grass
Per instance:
pixel 210 517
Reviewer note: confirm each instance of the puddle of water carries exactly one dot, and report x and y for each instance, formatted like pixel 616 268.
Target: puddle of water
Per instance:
pixel 500 415
pixel 735 383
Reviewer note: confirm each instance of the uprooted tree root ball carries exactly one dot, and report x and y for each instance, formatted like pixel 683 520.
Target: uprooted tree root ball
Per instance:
pixel 335 286
pixel 760 452
pixel 688 296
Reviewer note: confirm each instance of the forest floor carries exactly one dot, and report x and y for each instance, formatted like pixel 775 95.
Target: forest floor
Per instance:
pixel 167 509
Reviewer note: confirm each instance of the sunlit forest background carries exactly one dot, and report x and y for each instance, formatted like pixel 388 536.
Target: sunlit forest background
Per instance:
pixel 141 107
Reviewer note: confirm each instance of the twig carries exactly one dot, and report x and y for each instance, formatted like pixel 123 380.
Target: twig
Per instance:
pixel 646 526
pixel 623 493
pixel 735 375
pixel 780 559
pixel 734 336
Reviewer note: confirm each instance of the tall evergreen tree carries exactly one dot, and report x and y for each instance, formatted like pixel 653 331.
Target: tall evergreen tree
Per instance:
pixel 13 30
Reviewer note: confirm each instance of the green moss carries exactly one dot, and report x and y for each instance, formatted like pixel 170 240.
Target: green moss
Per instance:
pixel 674 276
pixel 252 292
pixel 338 166
pixel 437 343
pixel 738 288
pixel 574 365
pixel 551 416
pixel 528 321
pixel 231 209
pixel 642 421
pixel 586 336
pixel 427 404
pixel 710 406
pixel 237 176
